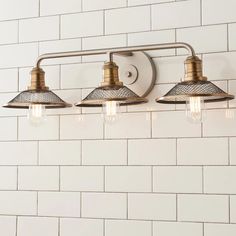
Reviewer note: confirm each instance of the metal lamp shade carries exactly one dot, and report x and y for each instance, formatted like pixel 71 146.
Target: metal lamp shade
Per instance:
pixel 181 92
pixel 121 94
pixel 31 97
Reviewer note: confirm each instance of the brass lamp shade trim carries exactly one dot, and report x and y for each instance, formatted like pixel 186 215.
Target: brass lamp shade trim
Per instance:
pixel 37 93
pixel 111 89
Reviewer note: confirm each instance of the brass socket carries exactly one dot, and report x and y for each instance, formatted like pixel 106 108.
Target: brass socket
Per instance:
pixel 193 69
pixel 37 80
pixel 110 75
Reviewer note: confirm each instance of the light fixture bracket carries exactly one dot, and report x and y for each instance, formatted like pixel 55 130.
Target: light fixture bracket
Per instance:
pixel 137 72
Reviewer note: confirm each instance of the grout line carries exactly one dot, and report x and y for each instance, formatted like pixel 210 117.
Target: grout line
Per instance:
pixel 17 128
pixel 177 207
pixel 81 202
pixel 176 152
pixel 16 233
pixel 203 178
pixel 18 79
pixel 81 152
pixel 81 5
pixel 104 22
pixel 152 179
pixel 39 6
pixel 228 39
pixel 203 229
pixel 59 27
pixel 59 226
pixel 127 206
pixel 151 124
pixel 152 228
pixel 18 32
pixel 127 152
pixel 60 77
pixel 230 210
pixel 150 18
pixel 121 219
pixel 59 178
pixel 176 37
pixel 17 178
pixel 104 227
pixel 121 192
pixel 202 129
pixel 122 138
pixel 38 161
pixel 59 127
pixel 201 15
pixel 133 165
pixel 229 152
pixel 104 178
pixel 37 204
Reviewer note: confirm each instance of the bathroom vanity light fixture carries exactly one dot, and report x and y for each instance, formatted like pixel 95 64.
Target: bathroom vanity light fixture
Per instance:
pixel 138 74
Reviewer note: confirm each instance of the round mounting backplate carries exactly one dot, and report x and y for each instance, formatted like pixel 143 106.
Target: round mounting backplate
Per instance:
pixel 137 72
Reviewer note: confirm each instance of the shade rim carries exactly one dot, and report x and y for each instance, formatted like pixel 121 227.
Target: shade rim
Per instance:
pixel 122 101
pixel 47 105
pixel 55 102
pixel 220 97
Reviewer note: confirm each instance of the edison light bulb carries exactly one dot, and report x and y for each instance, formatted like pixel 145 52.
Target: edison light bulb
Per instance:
pixel 194 109
pixel 37 114
pixel 111 110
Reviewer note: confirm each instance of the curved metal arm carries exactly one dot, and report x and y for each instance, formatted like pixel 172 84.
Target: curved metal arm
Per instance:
pixel 122 50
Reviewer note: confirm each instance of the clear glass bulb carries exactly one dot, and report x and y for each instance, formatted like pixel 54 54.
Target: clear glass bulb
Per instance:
pixel 37 114
pixel 111 110
pixel 194 109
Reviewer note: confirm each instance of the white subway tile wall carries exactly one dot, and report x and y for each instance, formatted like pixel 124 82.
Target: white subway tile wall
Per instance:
pixel 151 173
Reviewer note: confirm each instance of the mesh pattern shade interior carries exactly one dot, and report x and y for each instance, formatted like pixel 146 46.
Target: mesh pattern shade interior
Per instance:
pixel 122 94
pixel 29 97
pixel 181 92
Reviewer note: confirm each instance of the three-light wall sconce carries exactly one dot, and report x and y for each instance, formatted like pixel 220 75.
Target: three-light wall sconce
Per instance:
pixel 137 71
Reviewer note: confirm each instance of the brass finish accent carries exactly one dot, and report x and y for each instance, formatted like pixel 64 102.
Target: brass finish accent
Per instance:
pixel 111 77
pixel 193 69
pixel 37 79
